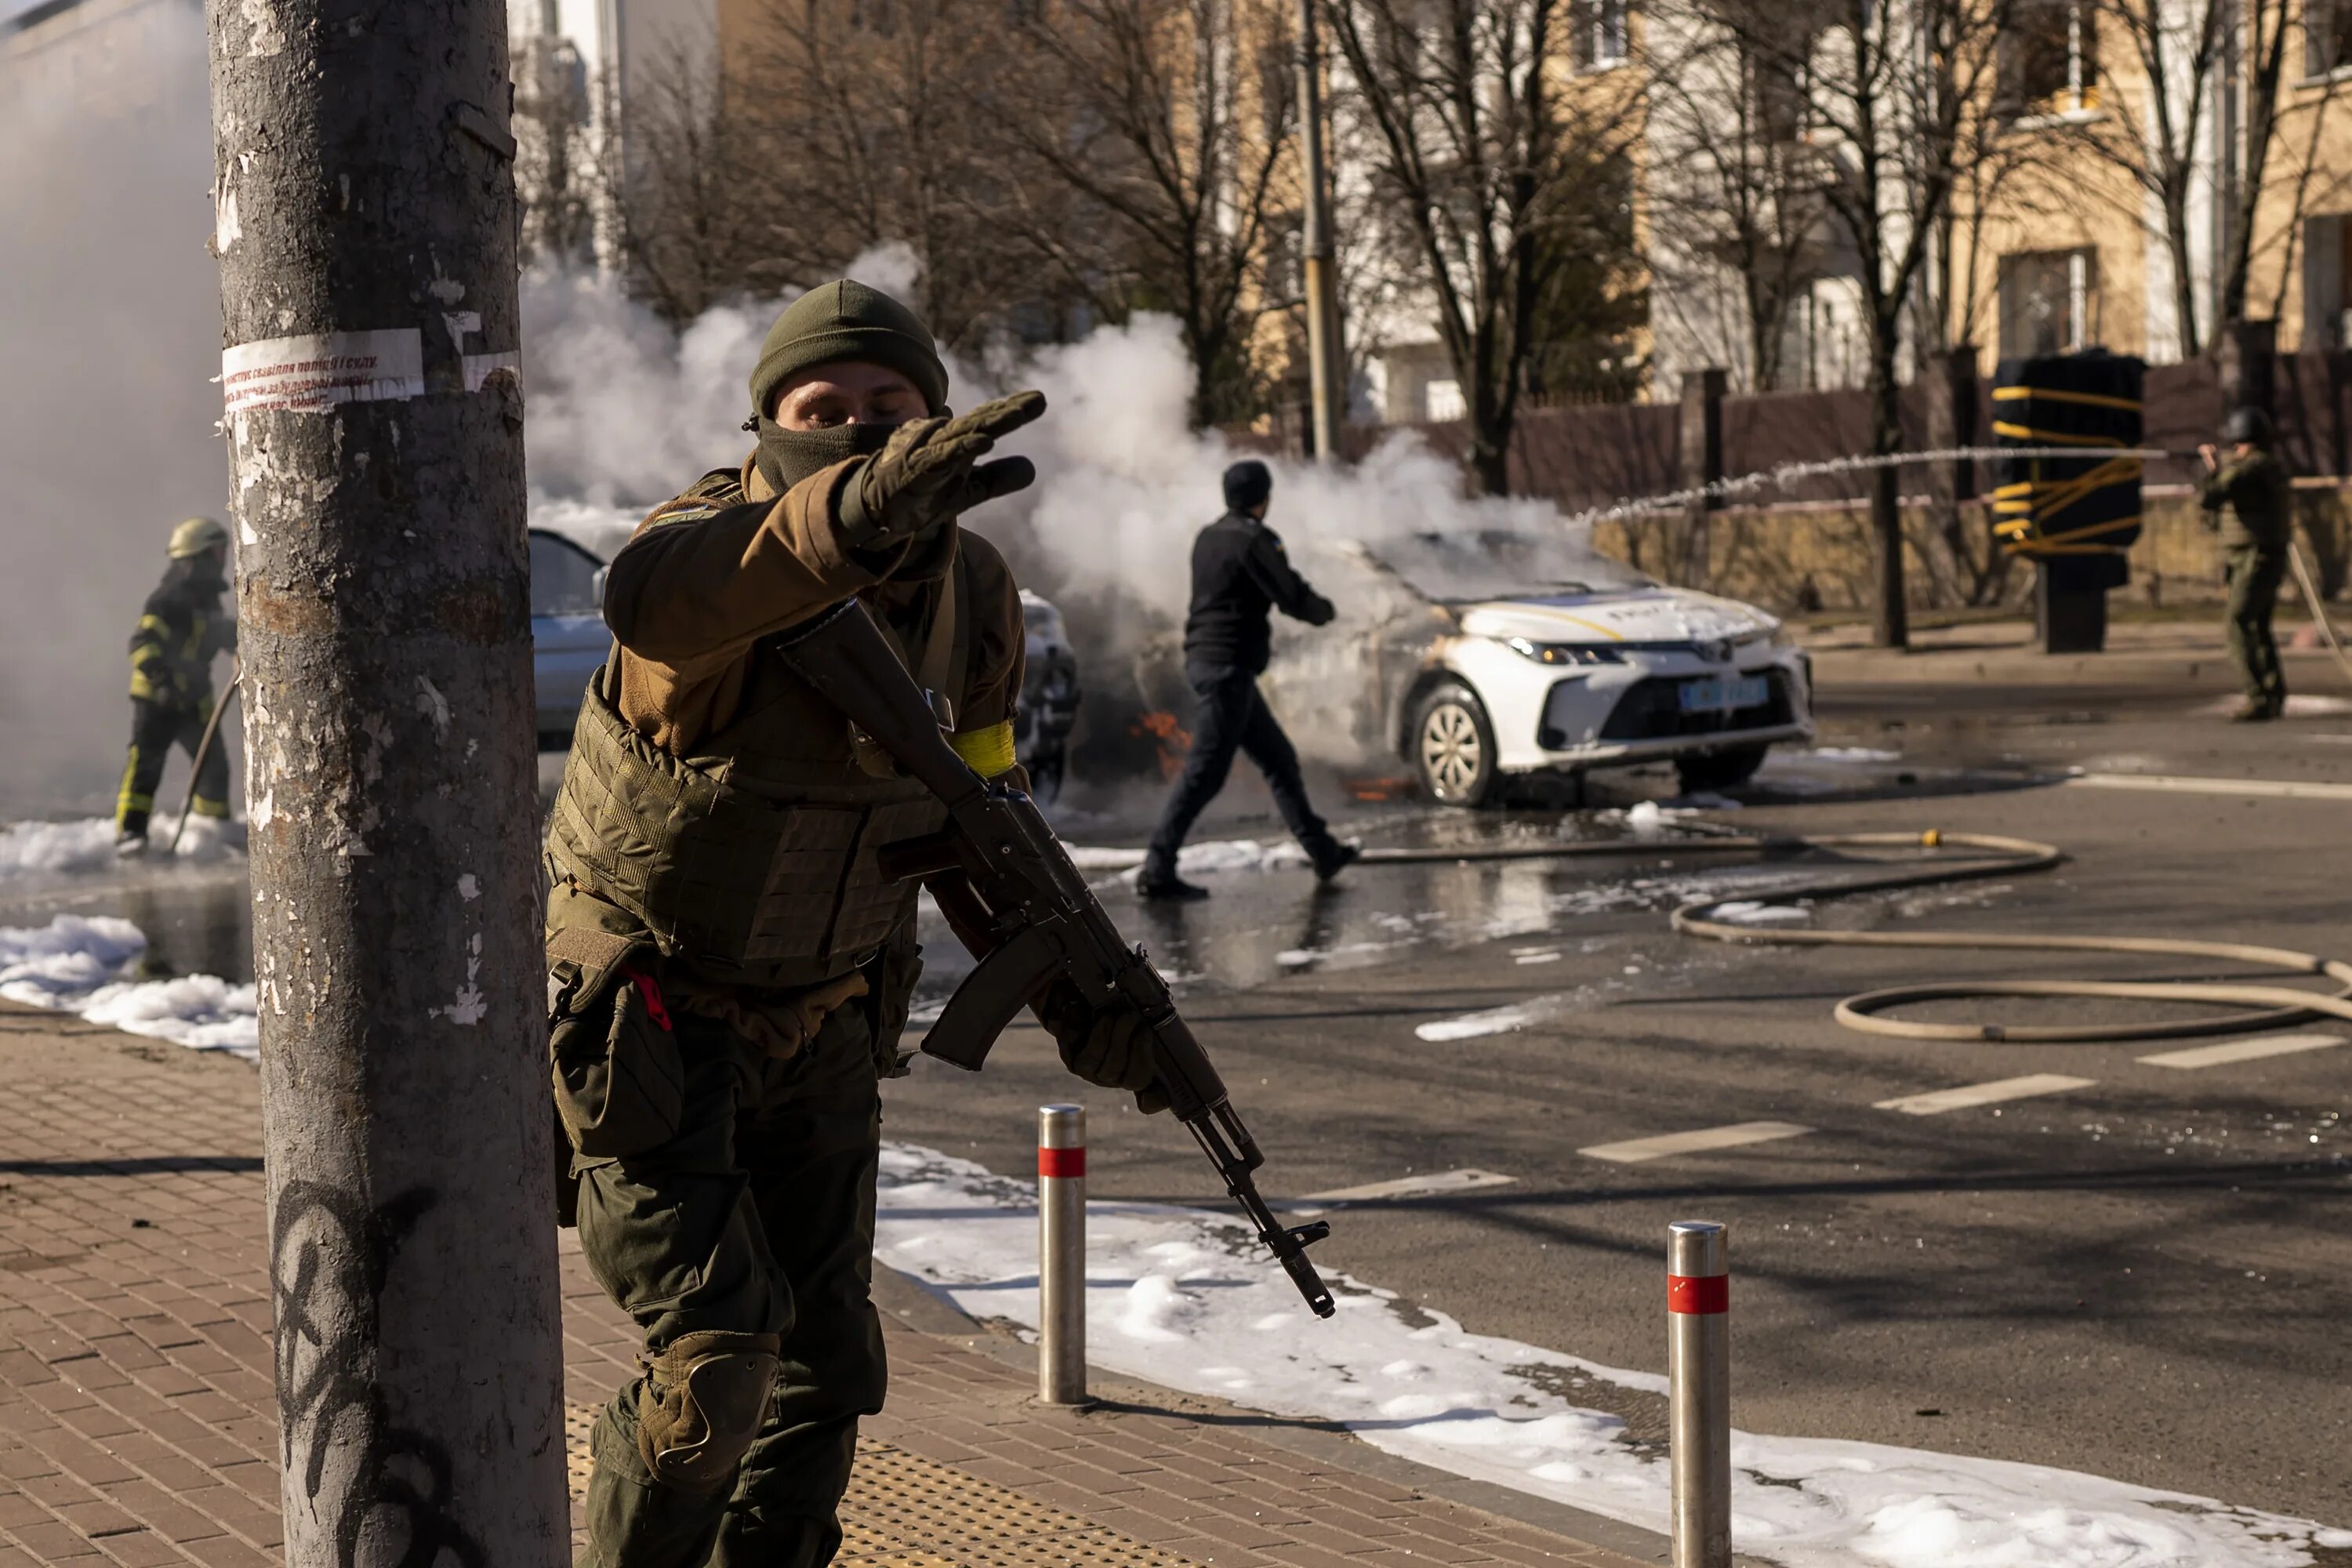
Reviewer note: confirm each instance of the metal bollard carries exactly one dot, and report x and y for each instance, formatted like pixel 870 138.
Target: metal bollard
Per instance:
pixel 1062 1254
pixel 1699 1370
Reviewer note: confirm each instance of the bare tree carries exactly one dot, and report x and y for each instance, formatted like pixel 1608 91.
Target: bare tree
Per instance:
pixel 1734 194
pixel 1170 120
pixel 874 119
pixel 1898 93
pixel 556 171
pixel 1490 170
pixel 695 189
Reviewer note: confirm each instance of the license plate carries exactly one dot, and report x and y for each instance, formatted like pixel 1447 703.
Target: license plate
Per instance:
pixel 1715 694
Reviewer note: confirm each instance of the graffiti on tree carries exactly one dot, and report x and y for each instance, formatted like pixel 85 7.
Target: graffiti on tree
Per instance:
pixel 331 1257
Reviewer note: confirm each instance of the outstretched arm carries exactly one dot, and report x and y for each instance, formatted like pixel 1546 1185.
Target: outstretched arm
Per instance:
pixel 1270 566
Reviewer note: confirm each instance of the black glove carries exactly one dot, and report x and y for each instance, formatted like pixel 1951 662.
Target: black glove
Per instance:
pixel 926 475
pixel 1108 1045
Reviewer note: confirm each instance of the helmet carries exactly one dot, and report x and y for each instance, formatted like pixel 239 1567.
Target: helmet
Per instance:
pixel 197 535
pixel 2249 425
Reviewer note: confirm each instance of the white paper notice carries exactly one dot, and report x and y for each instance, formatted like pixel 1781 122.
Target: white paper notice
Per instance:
pixel 318 370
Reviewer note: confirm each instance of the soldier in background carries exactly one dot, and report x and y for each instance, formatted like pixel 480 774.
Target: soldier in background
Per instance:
pixel 181 631
pixel 2255 489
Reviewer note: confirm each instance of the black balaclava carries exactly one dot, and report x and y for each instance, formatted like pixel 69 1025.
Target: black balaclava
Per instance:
pixel 788 457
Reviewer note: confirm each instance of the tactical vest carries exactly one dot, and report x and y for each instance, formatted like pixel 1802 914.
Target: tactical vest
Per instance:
pixel 754 859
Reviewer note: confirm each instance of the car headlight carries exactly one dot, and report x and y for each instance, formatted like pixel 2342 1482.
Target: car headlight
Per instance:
pixel 1775 635
pixel 1557 653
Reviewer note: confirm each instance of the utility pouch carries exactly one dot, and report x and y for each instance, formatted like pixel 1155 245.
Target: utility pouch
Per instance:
pixel 619 1076
pixel 894 970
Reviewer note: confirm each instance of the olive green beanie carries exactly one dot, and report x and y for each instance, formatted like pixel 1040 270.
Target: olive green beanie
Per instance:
pixel 846 320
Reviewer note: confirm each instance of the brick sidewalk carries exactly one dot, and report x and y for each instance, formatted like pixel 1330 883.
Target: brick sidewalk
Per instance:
pixel 137 1416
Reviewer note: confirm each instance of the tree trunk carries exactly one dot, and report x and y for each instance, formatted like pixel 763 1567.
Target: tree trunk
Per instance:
pixel 1890 624
pixel 1490 460
pixel 366 231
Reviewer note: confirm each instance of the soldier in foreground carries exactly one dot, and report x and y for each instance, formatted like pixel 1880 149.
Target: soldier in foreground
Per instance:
pixel 2254 488
pixel 1240 576
pixel 728 969
pixel 181 630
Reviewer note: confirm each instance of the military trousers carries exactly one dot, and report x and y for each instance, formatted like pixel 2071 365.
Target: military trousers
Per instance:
pixel 2254 577
pixel 155 728
pixel 757 1218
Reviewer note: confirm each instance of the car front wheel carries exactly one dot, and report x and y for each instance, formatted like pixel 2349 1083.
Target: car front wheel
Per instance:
pixel 1454 746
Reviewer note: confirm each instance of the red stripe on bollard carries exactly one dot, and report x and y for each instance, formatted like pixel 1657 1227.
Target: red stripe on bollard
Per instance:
pixel 1698 1292
pixel 1062 1162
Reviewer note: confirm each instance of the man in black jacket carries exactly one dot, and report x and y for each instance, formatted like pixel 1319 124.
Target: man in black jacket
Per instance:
pixel 1239 575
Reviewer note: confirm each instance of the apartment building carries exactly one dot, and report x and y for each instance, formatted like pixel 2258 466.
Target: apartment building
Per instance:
pixel 2118 186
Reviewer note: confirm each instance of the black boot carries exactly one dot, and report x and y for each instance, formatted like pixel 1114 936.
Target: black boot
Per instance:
pixel 1333 858
pixel 1168 887
pixel 1158 879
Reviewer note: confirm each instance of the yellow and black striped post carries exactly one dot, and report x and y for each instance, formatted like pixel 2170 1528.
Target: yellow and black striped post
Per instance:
pixel 2075 518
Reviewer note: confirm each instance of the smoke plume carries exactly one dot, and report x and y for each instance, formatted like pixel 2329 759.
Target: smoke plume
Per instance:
pixel 110 309
pixel 109 303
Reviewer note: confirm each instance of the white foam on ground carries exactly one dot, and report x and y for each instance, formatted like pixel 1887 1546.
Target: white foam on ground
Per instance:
pixel 1503 1020
pixel 76 964
pixel 1755 912
pixel 86 845
pixel 1186 1298
pixel 1207 858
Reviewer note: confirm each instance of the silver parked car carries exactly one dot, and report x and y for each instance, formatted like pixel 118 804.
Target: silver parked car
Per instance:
pixel 568 637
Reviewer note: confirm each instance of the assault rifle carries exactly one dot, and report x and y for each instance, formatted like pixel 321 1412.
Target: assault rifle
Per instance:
pixel 1009 892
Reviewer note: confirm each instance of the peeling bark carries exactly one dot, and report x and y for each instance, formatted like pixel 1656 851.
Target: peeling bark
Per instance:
pixel 366 236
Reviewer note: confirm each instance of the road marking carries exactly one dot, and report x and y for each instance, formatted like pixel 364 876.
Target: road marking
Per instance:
pixel 2285 789
pixel 1992 1093
pixel 1429 1186
pixel 1633 1152
pixel 2243 1050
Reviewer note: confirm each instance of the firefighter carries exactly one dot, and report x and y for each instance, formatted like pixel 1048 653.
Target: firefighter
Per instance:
pixel 2254 490
pixel 181 631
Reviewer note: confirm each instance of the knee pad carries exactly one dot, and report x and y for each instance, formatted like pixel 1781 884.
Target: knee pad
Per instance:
pixel 701 1404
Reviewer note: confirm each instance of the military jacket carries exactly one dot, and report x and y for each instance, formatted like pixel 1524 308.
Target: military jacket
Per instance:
pixel 2255 498
pixel 716 802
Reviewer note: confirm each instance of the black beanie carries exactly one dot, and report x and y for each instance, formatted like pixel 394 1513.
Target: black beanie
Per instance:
pixel 1248 483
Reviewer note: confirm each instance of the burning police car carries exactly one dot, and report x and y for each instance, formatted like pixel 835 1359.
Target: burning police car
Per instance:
pixel 1497 653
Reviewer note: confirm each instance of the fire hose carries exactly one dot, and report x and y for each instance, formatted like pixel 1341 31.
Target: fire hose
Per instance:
pixel 2261 1006
pixel 2310 586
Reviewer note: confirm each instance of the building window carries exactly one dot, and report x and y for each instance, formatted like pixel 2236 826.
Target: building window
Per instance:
pixel 2327 282
pixel 1604 34
pixel 2326 37
pixel 2049 58
pixel 1440 401
pixel 2049 302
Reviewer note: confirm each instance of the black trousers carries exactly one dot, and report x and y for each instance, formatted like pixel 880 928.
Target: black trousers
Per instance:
pixel 1232 717
pixel 154 730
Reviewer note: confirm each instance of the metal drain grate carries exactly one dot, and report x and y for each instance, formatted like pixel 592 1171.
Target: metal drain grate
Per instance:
pixel 905 1512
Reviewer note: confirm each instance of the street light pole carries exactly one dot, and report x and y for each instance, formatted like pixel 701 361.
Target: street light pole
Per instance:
pixel 365 227
pixel 1327 379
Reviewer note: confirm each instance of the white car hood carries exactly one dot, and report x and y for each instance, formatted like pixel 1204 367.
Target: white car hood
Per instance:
pixel 1628 615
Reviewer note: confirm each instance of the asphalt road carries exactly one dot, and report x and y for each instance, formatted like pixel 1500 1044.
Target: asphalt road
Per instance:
pixel 2147 1277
